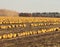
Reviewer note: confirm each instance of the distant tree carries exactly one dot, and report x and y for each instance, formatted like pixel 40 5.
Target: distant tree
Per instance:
pixel 25 14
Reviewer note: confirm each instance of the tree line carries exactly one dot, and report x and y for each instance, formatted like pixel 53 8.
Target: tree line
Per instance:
pixel 37 14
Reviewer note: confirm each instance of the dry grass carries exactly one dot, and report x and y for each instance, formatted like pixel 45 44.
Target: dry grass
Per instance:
pixel 29 32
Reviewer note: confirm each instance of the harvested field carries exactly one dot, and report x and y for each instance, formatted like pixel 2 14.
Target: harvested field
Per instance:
pixel 29 32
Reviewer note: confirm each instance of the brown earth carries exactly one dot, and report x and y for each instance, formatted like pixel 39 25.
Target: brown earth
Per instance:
pixel 4 12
